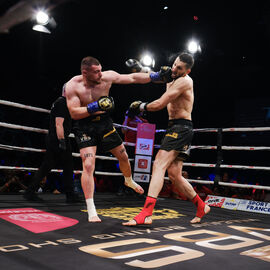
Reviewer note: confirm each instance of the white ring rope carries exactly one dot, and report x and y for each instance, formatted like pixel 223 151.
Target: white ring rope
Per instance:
pixel 18 105
pixel 243 185
pixel 39 130
pixel 55 170
pixel 29 149
pixel 251 148
pixel 44 131
pixel 227 166
pixel 205 182
pixel 9 147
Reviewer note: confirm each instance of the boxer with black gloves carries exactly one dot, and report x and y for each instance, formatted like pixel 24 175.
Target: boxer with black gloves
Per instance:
pixel 102 104
pixel 174 149
pixel 90 105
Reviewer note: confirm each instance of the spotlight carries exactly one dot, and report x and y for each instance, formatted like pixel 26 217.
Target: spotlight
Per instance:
pixel 41 28
pixel 147 60
pixel 42 17
pixel 44 23
pixel 193 47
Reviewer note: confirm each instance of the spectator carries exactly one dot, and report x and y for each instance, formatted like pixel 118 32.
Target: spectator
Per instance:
pixel 267 196
pixel 11 182
pixel 132 120
pixel 202 191
pixel 258 194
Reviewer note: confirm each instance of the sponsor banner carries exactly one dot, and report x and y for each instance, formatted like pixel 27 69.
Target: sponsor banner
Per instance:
pixel 144 146
pixel 216 201
pixel 238 204
pixel 142 163
pixel 254 206
pixel 146 130
pixel 141 177
pixel 231 203
pixel 145 139
pixel 35 220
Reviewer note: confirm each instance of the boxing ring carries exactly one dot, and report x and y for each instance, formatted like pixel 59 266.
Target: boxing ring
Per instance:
pixel 54 234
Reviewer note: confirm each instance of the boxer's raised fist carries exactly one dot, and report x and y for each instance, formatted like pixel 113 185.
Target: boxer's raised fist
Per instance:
pixel 137 106
pixel 135 66
pixel 104 103
pixel 164 75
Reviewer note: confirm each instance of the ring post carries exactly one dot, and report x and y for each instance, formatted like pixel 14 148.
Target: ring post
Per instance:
pixel 219 157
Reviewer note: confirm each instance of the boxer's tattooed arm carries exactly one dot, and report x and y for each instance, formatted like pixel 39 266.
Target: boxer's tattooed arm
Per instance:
pixel 88 155
pixel 122 151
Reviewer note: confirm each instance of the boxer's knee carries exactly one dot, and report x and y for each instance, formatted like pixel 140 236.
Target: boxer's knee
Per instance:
pixel 88 164
pixel 159 165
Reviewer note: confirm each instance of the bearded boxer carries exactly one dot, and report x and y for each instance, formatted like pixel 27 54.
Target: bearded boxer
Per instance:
pixel 89 105
pixel 178 98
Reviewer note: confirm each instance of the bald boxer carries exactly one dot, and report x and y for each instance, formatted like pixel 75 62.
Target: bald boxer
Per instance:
pixel 178 99
pixel 90 105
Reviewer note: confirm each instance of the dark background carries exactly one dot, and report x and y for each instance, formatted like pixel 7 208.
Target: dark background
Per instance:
pixel 233 65
pixel 230 75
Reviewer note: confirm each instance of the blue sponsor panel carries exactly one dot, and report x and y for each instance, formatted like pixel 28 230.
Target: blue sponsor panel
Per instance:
pixel 254 206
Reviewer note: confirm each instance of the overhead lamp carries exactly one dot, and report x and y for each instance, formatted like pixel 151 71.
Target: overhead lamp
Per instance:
pixel 147 60
pixel 193 47
pixel 42 17
pixel 44 23
pixel 41 28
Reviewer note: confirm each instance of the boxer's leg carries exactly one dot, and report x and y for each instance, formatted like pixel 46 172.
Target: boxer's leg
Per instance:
pixel 88 155
pixel 120 153
pixel 162 162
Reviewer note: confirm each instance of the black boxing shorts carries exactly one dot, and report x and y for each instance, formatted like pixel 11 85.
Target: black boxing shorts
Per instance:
pixel 96 130
pixel 178 137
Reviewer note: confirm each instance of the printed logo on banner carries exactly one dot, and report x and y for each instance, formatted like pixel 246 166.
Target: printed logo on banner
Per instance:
pixel 142 164
pixel 144 146
pixel 231 203
pixel 214 201
pixel 141 177
pixel 35 220
pixel 254 206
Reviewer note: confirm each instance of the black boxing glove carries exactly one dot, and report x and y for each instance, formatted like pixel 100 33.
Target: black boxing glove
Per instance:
pixel 164 75
pixel 135 66
pixel 62 144
pixel 104 103
pixel 137 106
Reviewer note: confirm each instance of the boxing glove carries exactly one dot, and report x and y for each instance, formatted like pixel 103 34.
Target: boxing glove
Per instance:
pixel 135 66
pixel 164 75
pixel 137 106
pixel 104 103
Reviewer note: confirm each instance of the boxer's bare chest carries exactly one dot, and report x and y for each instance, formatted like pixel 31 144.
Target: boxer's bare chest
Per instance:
pixel 93 93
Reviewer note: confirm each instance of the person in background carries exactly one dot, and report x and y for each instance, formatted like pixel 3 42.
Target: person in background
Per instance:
pixel 58 149
pixel 132 120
